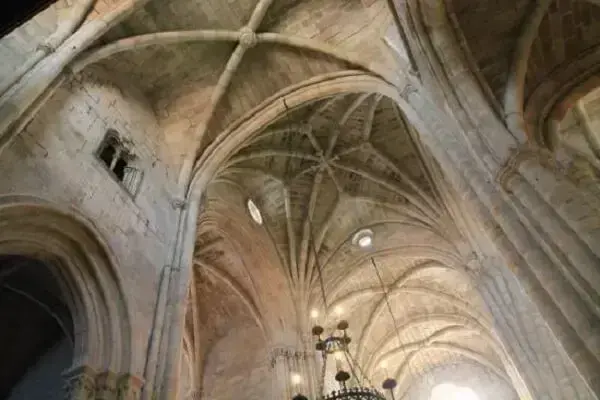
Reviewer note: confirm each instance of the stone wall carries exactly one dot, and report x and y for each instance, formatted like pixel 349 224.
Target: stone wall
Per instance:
pixel 55 159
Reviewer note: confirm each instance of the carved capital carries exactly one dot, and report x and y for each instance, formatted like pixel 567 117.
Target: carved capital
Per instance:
pixel 407 90
pixel 519 155
pixel 80 383
pixel 284 353
pixel 106 386
pixel 129 387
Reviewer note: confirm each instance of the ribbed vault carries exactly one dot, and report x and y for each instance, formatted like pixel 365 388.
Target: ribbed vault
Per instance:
pixel 202 64
pixel 527 56
pixel 319 174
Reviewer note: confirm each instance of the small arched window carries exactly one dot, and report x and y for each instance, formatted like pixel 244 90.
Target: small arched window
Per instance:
pixel 120 161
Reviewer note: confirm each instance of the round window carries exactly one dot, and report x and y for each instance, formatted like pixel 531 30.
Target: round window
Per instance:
pixel 254 212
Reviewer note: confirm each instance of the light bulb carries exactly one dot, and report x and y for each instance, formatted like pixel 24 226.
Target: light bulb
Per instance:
pixel 338 355
pixel 363 238
pixel 296 379
pixel 338 310
pixel 314 313
pixel 365 241
pixel 383 364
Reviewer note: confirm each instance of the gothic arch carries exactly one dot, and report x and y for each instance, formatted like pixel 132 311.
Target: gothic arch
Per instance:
pixel 86 271
pixel 272 108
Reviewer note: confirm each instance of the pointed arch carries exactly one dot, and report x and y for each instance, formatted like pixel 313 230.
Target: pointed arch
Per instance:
pixel 86 270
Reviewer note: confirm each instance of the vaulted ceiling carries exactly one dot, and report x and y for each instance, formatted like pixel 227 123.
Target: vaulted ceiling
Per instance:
pixel 557 41
pixel 200 82
pixel 319 174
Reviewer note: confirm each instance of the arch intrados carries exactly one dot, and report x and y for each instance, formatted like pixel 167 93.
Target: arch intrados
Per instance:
pixel 444 335
pixel 70 285
pixel 411 250
pixel 447 257
pixel 470 354
pixel 56 306
pixel 449 299
pixel 444 319
pixel 257 119
pixel 408 275
pixel 85 270
pixel 239 292
pixel 375 318
pixel 260 307
pixel 552 98
pixel 359 265
pixel 427 253
pixel 382 301
pixel 559 109
pixel 210 221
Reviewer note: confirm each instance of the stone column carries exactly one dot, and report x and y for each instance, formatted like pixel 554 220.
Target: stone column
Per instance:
pixel 538 366
pixel 285 363
pixel 564 209
pixel 542 245
pixel 565 220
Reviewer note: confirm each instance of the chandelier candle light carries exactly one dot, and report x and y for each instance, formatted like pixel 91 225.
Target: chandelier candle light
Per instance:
pixel 337 344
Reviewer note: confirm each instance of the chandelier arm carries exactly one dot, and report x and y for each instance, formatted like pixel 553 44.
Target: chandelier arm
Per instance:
pixel 323 372
pixel 352 361
pixel 351 365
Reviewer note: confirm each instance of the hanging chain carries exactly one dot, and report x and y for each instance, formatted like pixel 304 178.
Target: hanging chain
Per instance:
pixel 319 271
pixel 387 300
pixel 352 361
pixel 323 372
pixel 389 307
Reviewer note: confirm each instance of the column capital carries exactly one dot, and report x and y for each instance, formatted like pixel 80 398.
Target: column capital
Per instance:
pixel 80 383
pixel 129 387
pixel 288 353
pixel 519 155
pixel 85 383
pixel 106 386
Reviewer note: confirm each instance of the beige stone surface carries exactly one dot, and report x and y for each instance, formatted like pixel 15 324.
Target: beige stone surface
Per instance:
pixel 462 134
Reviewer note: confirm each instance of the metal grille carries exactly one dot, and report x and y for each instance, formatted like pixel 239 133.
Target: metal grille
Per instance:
pixel 355 394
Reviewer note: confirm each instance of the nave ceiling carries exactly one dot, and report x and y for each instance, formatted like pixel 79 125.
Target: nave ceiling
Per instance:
pixel 333 165
pixel 200 84
pixel 319 174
